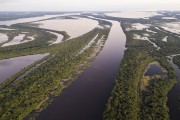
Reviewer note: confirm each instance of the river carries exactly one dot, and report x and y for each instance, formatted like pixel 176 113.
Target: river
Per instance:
pixel 174 95
pixel 86 97
pixel 74 27
pixel 9 67
pixel 30 19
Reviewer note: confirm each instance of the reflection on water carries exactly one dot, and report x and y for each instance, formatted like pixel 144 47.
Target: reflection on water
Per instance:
pixel 154 69
pixel 73 27
pixel 173 103
pixel 174 94
pixel 9 67
pixel 176 68
pixel 86 97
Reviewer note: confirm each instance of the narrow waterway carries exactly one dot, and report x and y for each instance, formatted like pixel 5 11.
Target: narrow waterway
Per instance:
pixel 174 95
pixel 86 97
pixel 59 38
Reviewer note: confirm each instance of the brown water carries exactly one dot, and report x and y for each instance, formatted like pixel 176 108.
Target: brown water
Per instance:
pixel 9 67
pixel 59 38
pixel 86 97
pixel 73 27
pixel 174 95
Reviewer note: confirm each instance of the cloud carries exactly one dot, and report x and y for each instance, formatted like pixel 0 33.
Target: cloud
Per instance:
pixel 2 1
pixel 5 1
pixel 86 5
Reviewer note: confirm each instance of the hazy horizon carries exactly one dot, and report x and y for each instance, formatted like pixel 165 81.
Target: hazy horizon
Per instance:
pixel 88 5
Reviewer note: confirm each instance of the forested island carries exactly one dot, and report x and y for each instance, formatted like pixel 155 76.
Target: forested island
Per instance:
pixel 138 91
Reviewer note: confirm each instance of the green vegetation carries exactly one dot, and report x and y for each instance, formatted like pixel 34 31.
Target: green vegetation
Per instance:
pixel 20 97
pixel 33 26
pixel 154 101
pixel 154 98
pixel 127 100
pixel 124 102
pixel 41 41
pixel 136 43
pixel 176 60
pixel 167 48
pixel 39 45
pixel 34 91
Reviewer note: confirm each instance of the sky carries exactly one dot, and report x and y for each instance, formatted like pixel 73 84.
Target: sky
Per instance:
pixel 88 5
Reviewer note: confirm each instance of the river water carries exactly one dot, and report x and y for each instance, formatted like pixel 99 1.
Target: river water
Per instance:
pixel 73 27
pixel 174 95
pixel 86 97
pixel 9 67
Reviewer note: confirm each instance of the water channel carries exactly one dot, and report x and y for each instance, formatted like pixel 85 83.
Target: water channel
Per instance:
pixel 174 95
pixel 86 97
pixel 9 67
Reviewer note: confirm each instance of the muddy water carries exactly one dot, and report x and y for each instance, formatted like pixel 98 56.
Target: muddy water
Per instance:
pixel 3 38
pixel 9 67
pixel 86 97
pixel 73 27
pixel 59 38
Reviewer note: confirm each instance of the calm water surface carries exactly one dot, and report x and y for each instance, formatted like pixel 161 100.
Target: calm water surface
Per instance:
pixel 73 27
pixel 174 95
pixel 59 38
pixel 86 97
pixel 9 67
pixel 3 38
pixel 154 70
